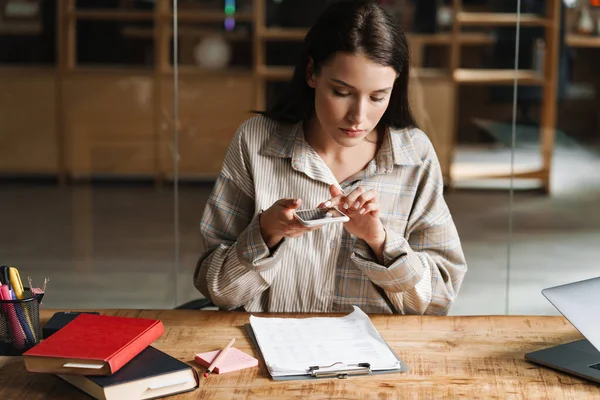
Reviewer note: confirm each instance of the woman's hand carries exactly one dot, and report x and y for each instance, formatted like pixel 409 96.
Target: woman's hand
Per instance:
pixel 363 209
pixel 279 221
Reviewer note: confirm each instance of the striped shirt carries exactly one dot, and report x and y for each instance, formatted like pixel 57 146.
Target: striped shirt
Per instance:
pixel 328 270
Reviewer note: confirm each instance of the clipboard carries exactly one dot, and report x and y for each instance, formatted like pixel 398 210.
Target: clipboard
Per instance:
pixel 329 371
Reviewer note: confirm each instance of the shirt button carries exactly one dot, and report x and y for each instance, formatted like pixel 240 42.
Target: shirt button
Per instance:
pixel 332 244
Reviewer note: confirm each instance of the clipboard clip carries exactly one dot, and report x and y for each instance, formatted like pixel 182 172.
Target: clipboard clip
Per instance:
pixel 342 373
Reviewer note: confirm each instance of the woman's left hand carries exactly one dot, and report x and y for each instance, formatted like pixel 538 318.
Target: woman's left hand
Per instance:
pixel 363 209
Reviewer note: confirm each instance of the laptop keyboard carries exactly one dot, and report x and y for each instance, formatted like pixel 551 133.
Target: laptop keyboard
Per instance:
pixel 596 366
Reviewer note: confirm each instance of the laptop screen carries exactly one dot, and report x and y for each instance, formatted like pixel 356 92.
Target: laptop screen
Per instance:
pixel 579 302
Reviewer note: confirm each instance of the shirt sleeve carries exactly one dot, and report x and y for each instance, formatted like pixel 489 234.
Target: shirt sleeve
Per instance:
pixel 235 264
pixel 421 274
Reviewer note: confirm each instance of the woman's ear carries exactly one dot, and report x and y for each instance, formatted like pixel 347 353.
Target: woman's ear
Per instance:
pixel 310 73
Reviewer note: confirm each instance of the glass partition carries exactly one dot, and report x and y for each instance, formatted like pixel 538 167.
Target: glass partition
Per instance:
pixel 505 90
pixel 454 58
pixel 86 202
pixel 555 232
pixel 249 64
pixel 116 117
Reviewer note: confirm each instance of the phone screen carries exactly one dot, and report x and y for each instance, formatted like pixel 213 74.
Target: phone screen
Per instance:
pixel 319 213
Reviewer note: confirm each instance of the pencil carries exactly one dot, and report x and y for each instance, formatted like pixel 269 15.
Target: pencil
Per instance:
pixel 218 358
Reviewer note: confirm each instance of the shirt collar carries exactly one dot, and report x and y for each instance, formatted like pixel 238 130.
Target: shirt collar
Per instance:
pixel 287 141
pixel 280 142
pixel 402 147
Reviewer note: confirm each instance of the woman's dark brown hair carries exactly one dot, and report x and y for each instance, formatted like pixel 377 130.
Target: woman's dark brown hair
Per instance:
pixel 354 27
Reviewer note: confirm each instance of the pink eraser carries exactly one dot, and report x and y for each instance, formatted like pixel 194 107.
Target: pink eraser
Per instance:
pixel 233 361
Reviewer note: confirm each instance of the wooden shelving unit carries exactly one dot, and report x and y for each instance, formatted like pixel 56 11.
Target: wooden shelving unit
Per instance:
pixel 116 120
pixel 264 34
pixel 417 41
pixel 547 80
pixel 72 84
pixel 460 76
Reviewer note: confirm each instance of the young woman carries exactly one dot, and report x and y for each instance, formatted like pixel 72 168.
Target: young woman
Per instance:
pixel 342 136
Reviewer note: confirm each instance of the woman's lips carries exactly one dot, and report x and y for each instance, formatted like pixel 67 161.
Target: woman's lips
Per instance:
pixel 352 132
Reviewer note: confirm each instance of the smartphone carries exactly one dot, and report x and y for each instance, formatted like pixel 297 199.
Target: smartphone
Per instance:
pixel 320 216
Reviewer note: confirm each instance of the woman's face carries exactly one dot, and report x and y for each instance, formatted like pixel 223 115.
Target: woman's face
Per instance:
pixel 351 95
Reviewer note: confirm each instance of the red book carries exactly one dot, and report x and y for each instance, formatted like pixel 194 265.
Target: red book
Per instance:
pixel 93 345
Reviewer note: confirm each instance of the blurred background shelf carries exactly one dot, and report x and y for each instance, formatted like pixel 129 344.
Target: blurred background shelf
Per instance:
pixel 550 22
pixel 478 171
pixel 90 119
pixel 209 16
pixel 445 38
pixel 187 31
pixel 224 73
pixel 495 76
pixel 275 73
pixel 578 40
pixel 282 34
pixel 111 15
pixel 499 19
pixel 256 36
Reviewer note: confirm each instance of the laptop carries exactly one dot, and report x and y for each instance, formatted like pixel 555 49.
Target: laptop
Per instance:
pixel 580 304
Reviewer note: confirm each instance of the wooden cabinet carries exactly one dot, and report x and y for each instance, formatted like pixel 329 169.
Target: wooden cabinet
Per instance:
pixel 28 137
pixel 108 125
pixel 110 128
pixel 84 121
pixel 210 112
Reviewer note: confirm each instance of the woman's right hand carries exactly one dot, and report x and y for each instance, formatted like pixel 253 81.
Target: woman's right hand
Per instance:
pixel 279 221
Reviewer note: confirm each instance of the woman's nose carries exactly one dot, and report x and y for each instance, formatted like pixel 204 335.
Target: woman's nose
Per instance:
pixel 357 113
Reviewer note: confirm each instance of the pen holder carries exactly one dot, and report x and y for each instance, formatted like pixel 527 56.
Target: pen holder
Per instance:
pixel 20 324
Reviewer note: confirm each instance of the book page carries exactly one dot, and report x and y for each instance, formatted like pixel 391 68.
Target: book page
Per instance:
pixel 292 345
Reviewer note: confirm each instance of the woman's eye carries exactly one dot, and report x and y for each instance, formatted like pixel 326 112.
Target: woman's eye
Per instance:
pixel 378 99
pixel 341 94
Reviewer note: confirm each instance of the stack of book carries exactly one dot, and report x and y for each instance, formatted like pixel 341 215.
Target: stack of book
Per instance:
pixel 111 358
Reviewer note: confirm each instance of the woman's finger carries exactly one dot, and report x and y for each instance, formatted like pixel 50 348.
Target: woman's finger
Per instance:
pixel 372 207
pixel 335 191
pixel 333 202
pixel 352 197
pixel 367 197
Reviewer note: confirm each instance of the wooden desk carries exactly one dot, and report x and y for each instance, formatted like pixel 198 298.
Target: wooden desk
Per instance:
pixel 449 357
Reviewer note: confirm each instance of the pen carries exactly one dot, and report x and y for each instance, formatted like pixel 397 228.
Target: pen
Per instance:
pixel 15 281
pixel 18 335
pixel 17 285
pixel 4 278
pixel 218 358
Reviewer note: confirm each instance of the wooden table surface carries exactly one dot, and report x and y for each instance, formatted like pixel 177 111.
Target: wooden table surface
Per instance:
pixel 479 357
